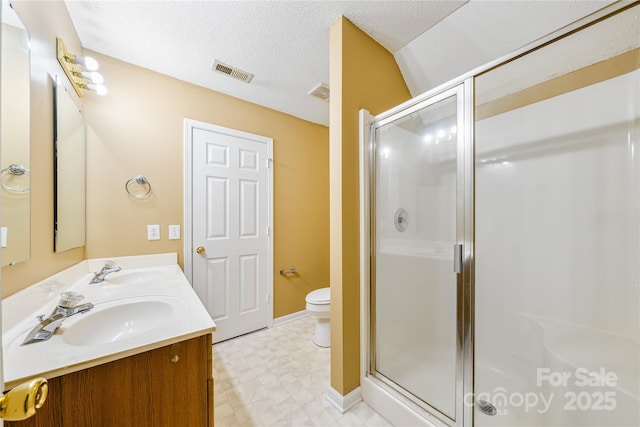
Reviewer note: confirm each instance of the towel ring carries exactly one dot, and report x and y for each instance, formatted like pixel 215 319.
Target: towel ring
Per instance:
pixel 142 180
pixel 17 170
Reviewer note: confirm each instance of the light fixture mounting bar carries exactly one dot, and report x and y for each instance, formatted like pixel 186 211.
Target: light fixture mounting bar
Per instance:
pixel 70 69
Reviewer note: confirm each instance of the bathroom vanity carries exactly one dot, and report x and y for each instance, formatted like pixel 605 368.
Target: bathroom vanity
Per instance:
pixel 141 357
pixel 168 386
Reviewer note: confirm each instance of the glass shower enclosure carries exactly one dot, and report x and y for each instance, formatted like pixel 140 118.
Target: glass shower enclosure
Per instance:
pixel 501 269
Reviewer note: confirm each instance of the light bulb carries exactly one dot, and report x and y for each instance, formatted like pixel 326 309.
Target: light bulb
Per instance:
pixel 453 130
pixel 87 62
pixel 440 134
pixel 99 89
pixel 428 138
pixel 94 76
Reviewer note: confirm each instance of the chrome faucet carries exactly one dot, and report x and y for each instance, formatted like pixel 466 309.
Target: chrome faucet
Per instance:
pixel 66 308
pixel 109 267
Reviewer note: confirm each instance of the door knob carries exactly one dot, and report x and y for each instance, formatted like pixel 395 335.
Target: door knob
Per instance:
pixel 200 250
pixel 22 401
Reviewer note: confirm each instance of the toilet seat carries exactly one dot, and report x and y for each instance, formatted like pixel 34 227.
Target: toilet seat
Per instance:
pixel 319 296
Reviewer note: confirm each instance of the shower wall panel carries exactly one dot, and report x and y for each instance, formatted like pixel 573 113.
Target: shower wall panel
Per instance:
pixel 557 254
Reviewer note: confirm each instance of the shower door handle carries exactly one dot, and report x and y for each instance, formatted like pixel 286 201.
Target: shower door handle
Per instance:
pixel 457 258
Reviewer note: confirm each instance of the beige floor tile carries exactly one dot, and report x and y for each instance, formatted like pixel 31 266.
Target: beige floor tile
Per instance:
pixel 242 414
pixel 324 419
pixel 288 406
pixel 278 378
pixel 363 412
pixel 377 421
pixel 223 411
pixel 348 419
pixel 231 420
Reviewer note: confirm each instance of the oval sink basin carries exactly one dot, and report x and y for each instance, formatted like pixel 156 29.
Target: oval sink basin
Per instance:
pixel 116 322
pixel 135 277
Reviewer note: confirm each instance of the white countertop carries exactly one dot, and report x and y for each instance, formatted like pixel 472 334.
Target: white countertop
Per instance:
pixel 149 282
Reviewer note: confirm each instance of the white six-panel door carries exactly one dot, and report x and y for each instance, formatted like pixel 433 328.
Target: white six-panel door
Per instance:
pixel 231 240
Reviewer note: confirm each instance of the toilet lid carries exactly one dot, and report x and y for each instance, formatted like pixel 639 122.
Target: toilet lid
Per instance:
pixel 319 296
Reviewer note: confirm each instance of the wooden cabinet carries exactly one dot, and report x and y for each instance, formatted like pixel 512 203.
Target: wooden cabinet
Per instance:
pixel 170 386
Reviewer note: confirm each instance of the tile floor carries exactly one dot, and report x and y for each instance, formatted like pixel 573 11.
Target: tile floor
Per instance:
pixel 278 377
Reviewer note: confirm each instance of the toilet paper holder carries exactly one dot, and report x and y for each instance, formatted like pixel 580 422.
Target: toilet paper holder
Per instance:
pixel 284 272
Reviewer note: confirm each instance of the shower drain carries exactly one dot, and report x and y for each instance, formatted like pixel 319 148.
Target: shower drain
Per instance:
pixel 486 407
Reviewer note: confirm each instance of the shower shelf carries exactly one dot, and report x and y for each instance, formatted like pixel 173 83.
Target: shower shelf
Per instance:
pixel 577 346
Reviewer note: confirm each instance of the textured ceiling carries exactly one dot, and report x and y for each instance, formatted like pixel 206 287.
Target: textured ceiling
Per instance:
pixel 284 43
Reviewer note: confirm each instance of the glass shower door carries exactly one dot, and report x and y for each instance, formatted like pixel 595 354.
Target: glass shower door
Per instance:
pixel 414 288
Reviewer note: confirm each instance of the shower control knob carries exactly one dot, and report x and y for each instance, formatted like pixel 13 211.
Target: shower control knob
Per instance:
pixel 401 219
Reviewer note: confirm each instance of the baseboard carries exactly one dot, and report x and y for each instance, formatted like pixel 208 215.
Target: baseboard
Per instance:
pixel 290 317
pixel 344 403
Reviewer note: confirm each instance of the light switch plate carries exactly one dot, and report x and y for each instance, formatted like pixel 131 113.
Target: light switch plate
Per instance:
pixel 174 232
pixel 153 232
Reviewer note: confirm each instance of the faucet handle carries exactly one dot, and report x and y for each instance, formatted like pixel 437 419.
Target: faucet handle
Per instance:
pixel 69 299
pixel 110 264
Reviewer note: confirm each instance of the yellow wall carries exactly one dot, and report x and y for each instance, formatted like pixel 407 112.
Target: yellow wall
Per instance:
pixel 44 21
pixel 138 129
pixel 363 75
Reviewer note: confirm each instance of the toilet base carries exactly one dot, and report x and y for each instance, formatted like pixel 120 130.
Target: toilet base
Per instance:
pixel 322 337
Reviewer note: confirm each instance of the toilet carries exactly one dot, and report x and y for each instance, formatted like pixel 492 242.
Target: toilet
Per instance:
pixel 318 305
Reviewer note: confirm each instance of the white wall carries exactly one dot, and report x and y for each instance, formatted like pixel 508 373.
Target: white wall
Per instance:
pixel 480 32
pixel 558 240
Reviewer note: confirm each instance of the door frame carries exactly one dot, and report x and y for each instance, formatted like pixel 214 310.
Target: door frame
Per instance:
pixel 188 248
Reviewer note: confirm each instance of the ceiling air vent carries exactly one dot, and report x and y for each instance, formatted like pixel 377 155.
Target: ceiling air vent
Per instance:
pixel 321 91
pixel 234 72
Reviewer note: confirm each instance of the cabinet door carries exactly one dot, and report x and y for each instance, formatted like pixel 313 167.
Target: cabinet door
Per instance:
pixel 168 386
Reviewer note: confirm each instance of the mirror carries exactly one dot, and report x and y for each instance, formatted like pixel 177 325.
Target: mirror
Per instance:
pixel 15 166
pixel 69 171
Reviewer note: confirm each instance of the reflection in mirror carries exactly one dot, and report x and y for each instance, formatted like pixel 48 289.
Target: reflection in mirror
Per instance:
pixel 14 125
pixel 69 172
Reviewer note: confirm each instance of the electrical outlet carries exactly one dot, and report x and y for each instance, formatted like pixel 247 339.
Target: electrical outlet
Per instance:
pixel 153 232
pixel 174 232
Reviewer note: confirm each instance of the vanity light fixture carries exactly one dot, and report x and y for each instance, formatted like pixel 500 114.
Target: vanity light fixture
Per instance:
pixel 93 76
pixel 81 71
